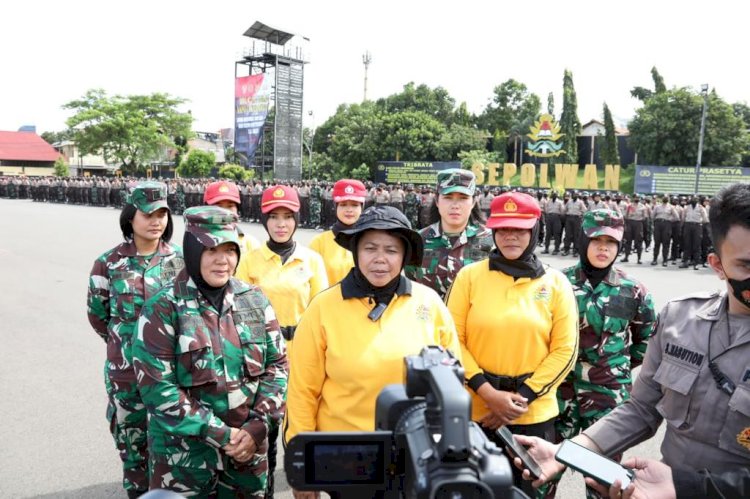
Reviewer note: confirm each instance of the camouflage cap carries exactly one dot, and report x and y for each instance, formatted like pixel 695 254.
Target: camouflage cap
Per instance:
pixel 456 180
pixel 148 196
pixel 603 223
pixel 211 225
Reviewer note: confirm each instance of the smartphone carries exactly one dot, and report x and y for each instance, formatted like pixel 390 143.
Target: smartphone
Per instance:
pixel 519 450
pixel 593 465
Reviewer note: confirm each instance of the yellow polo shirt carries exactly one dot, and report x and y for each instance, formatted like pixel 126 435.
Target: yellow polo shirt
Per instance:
pixel 290 286
pixel 342 359
pixel 510 328
pixel 338 261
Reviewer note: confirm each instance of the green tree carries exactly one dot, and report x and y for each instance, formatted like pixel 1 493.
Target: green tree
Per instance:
pixel 659 85
pixel 54 137
pixel 551 104
pixel 665 131
pixel 482 156
pixel 61 167
pixel 130 130
pixel 234 172
pixel 512 110
pixel 197 164
pixel 409 136
pixel 570 125
pixel 435 102
pixel 609 154
pixel 643 94
pixel 362 172
pixel 459 138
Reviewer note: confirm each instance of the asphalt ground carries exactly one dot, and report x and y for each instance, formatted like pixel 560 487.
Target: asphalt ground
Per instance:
pixel 54 439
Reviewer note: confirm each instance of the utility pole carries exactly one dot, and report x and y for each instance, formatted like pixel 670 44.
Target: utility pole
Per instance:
pixel 366 60
pixel 704 92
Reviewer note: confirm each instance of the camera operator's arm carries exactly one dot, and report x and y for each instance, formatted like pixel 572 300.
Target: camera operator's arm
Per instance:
pixel 307 376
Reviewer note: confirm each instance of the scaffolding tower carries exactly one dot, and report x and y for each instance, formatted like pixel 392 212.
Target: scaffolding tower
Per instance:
pixel 271 53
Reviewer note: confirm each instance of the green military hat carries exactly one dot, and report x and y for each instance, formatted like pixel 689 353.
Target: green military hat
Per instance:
pixel 456 180
pixel 148 196
pixel 603 223
pixel 211 225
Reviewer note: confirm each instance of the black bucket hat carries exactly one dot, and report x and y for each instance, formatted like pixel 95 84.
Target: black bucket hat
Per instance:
pixel 390 219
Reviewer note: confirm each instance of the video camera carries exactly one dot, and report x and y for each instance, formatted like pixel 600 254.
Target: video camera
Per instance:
pixel 425 444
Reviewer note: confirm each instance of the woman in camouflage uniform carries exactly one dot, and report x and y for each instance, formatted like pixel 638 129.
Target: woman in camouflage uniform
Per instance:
pixel 212 369
pixel 121 280
pixel 456 235
pixel 616 319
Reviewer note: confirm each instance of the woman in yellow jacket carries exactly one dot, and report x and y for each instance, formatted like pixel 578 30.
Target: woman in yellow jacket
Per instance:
pixel 349 197
pixel 352 339
pixel 290 275
pixel 517 322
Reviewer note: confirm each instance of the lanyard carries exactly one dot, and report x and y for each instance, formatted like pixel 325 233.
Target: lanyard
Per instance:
pixel 723 382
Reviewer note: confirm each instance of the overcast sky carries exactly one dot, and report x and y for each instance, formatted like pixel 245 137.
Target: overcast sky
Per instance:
pixel 51 52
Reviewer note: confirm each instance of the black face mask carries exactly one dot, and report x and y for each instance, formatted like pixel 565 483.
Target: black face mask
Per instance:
pixel 740 290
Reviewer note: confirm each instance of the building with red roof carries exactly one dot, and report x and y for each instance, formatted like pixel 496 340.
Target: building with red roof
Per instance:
pixel 26 153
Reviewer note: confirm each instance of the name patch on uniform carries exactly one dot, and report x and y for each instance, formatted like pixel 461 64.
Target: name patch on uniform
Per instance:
pixel 683 354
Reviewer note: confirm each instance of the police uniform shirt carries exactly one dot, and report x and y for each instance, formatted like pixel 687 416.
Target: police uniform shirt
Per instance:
pixel 636 211
pixel 555 207
pixel 575 208
pixel 706 427
pixel 695 214
pixel 663 212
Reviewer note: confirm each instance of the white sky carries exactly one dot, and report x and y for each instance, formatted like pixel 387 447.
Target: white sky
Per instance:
pixel 51 52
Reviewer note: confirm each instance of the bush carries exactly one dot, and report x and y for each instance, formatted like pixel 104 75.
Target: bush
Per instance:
pixel 236 172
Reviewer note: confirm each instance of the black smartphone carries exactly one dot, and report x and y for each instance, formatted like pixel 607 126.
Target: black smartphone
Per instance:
pixel 519 450
pixel 593 465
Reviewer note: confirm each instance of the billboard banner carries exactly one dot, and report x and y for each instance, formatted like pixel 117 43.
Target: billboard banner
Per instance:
pixel 411 172
pixel 251 97
pixel 681 179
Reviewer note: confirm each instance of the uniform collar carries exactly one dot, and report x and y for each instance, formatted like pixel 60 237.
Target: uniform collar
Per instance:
pixel 267 254
pixel 128 248
pixel 715 308
pixel 612 278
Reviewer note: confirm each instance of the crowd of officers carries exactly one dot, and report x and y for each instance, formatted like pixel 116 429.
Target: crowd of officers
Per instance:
pixel 200 336
pixel 674 228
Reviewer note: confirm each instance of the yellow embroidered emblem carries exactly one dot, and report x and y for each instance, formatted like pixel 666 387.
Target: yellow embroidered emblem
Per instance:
pixel 278 193
pixel 744 438
pixel 510 206
pixel 423 313
pixel 224 188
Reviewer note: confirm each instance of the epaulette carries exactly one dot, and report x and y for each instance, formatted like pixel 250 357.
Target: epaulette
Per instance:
pixel 698 295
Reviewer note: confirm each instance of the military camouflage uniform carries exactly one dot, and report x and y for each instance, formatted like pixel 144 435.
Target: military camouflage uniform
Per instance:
pixel 121 281
pixel 444 256
pixel 411 207
pixel 315 198
pixel 616 319
pixel 202 373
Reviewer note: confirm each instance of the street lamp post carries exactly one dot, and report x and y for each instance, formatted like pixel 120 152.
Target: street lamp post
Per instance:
pixel 310 145
pixel 704 92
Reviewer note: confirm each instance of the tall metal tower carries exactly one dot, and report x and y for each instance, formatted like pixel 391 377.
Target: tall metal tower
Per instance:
pixel 366 60
pixel 272 53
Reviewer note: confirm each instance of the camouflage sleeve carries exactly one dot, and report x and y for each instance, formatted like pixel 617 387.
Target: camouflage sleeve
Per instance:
pixel 98 298
pixel 270 400
pixel 413 272
pixel 642 327
pixel 154 360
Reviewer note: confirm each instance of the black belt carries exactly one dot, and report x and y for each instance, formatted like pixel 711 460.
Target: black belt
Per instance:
pixel 288 332
pixel 506 383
